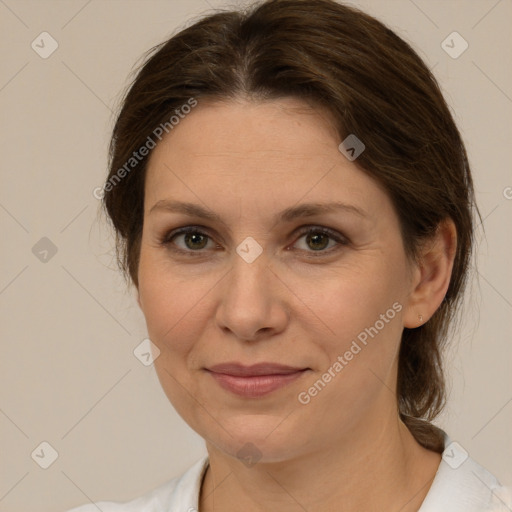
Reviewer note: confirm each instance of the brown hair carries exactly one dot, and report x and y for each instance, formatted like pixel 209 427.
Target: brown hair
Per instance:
pixel 375 86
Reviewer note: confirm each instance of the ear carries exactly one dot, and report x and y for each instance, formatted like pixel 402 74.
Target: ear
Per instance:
pixel 431 275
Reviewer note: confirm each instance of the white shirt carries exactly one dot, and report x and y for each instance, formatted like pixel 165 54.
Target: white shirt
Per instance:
pixel 460 485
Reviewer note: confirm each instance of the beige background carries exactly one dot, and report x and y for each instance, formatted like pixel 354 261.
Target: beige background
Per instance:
pixel 69 326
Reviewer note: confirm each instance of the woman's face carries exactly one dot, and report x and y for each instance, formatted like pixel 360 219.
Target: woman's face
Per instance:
pixel 249 285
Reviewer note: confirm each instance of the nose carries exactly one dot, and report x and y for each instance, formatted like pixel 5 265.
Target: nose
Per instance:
pixel 252 301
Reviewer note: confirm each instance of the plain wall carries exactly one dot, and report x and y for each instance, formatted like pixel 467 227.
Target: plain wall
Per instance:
pixel 69 325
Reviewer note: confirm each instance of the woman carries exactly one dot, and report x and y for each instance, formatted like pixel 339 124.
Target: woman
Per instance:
pixel 294 204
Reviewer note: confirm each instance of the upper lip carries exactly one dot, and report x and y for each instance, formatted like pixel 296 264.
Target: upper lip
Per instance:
pixel 240 370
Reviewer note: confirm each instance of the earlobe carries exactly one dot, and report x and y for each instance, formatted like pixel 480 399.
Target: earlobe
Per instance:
pixel 432 275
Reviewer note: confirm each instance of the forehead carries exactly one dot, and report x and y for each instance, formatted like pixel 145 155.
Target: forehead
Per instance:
pixel 284 128
pixel 258 155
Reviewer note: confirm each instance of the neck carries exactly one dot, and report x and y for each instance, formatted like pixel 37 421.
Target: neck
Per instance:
pixel 379 466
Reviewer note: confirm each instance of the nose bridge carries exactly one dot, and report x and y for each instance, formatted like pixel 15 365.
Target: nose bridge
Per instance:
pixel 250 303
pixel 249 272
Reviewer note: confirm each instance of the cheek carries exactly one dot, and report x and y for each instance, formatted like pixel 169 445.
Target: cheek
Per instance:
pixel 351 300
pixel 360 308
pixel 174 310
pixel 363 314
pixel 172 304
pixel 173 314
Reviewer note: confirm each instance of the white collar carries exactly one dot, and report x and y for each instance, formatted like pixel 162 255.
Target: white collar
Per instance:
pixel 463 485
pixel 460 485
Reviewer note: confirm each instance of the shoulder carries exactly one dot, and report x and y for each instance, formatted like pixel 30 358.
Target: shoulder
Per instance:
pixel 462 485
pixel 181 493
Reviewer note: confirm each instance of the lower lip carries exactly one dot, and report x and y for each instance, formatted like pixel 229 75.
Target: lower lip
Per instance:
pixel 254 386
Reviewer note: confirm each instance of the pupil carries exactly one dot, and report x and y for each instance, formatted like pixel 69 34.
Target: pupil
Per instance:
pixel 317 242
pixel 195 238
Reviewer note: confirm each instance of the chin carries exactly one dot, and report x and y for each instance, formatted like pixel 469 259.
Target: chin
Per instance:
pixel 256 437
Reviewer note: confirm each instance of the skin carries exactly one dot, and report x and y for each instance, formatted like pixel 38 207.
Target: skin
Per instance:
pixel 346 449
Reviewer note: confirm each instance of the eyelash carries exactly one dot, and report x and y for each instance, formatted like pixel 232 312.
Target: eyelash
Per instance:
pixel 167 240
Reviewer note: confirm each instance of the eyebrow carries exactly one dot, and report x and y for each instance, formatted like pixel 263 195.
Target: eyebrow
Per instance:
pixel 287 215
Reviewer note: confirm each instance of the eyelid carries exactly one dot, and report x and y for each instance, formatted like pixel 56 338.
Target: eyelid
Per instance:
pixel 202 230
pixel 322 229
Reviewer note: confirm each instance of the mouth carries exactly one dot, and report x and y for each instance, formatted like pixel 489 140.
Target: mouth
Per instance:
pixel 254 381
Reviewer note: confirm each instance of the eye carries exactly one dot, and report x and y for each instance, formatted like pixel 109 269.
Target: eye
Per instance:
pixel 191 238
pixel 320 240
